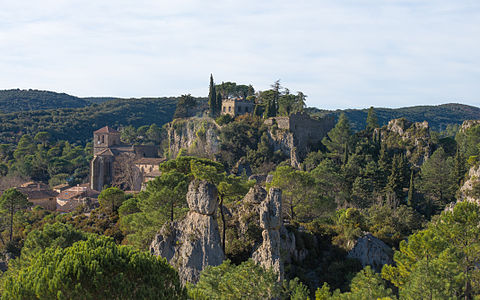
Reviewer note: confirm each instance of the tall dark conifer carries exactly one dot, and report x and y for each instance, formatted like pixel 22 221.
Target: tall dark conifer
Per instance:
pixel 411 190
pixel 212 98
pixel 219 103
pixel 372 120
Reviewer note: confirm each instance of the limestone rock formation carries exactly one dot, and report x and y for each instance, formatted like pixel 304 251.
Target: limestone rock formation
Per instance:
pixel 468 124
pixel 197 136
pixel 473 180
pixel 193 243
pixel 414 135
pixel 268 254
pixel 371 251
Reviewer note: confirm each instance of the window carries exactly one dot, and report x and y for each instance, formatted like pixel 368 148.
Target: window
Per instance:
pixel 103 139
pixel 224 109
pixel 229 109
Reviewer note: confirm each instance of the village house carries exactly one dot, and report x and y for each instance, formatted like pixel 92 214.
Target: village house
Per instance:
pixel 237 107
pixel 39 194
pixel 71 198
pixel 149 168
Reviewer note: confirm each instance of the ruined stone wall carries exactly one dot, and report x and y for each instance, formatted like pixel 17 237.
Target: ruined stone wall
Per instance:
pixel 298 134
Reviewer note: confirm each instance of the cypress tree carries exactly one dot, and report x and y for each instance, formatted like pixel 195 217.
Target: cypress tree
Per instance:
pixel 219 103
pixel 411 190
pixel 372 120
pixel 212 95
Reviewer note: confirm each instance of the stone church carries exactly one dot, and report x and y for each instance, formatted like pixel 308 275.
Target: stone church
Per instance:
pixel 109 152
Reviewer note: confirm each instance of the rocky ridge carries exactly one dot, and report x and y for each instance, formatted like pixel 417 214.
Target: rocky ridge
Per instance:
pixel 193 243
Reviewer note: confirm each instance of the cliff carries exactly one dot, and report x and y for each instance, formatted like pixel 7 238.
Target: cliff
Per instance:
pixel 470 191
pixel 197 136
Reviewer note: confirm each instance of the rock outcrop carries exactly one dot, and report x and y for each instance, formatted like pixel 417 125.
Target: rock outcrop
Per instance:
pixel 467 124
pixel 371 251
pixel 198 136
pixel 473 180
pixel 414 136
pixel 268 254
pixel 194 243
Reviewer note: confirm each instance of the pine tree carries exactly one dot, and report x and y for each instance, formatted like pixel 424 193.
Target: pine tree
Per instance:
pixel 411 190
pixel 345 154
pixel 459 167
pixel 398 175
pixel 372 120
pixel 212 101
pixel 338 137
pixel 12 201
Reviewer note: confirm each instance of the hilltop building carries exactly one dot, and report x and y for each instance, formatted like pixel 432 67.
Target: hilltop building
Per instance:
pixel 109 153
pixel 237 106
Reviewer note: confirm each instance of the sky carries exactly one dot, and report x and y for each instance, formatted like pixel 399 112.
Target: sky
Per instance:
pixel 340 53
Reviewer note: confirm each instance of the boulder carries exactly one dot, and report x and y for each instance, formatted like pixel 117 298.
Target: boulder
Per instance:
pixel 371 251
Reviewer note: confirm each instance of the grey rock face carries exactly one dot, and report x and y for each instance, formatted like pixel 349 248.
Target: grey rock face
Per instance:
pixel 371 251
pixel 473 178
pixel 256 194
pixel 271 210
pixel 193 243
pixel 268 254
pixel 199 197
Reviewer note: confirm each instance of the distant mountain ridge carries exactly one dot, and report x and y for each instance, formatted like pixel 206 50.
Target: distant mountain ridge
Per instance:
pixel 27 100
pixel 437 116
pixel 22 105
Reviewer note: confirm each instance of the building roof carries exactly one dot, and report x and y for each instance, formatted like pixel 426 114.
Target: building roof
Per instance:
pixel 105 152
pixel 38 194
pixel 106 129
pixel 77 192
pixel 149 161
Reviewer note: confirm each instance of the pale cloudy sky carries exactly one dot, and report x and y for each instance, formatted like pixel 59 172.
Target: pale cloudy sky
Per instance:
pixel 341 53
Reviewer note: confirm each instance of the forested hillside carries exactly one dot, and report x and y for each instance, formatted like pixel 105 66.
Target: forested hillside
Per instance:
pixel 438 117
pixel 26 100
pixel 77 124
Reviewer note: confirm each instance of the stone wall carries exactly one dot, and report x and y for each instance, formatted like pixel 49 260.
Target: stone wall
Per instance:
pixel 298 134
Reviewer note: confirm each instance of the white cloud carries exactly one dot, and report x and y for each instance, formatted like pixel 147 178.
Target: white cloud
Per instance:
pixel 340 53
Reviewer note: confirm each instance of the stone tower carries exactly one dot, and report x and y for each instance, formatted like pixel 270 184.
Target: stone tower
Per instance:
pixel 104 138
pixel 103 157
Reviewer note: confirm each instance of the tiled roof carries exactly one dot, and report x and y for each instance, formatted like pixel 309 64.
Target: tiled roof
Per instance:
pixel 38 194
pixel 106 129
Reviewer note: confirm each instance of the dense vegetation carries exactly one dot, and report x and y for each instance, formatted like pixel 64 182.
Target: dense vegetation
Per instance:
pixel 356 181
pixel 77 125
pixel 438 117
pixel 27 100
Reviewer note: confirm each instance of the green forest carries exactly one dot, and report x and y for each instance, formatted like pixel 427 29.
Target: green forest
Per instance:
pixel 404 184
